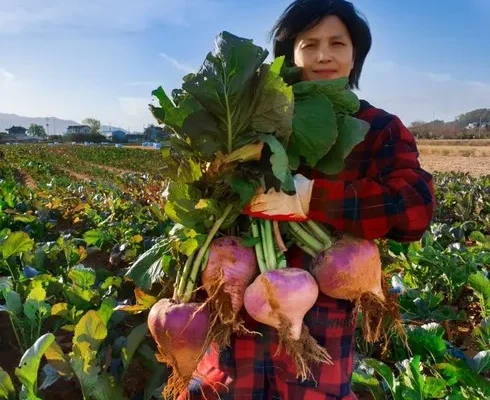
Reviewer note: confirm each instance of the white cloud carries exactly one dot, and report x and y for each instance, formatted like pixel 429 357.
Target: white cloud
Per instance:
pixel 6 77
pixel 414 95
pixel 177 64
pixel 127 15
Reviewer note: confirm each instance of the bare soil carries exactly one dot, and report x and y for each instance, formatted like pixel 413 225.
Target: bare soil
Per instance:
pixel 476 166
pixel 25 179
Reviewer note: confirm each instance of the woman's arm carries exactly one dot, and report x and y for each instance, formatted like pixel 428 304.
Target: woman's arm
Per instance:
pixel 397 202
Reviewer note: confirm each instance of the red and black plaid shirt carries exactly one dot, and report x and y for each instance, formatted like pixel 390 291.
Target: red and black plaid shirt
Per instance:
pixel 382 192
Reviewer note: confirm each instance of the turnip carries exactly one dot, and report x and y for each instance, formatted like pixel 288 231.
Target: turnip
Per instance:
pixel 230 268
pixel 181 334
pixel 350 268
pixel 280 297
pixel 182 328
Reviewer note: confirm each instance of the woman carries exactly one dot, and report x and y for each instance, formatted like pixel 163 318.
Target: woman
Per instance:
pixel 381 193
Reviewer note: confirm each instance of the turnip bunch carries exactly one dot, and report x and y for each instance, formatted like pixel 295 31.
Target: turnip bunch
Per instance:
pixel 238 123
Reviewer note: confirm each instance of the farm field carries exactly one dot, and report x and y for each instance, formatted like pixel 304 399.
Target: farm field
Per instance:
pixel 78 274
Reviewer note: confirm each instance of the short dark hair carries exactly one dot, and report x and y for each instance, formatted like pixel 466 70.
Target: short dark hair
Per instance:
pixel 302 15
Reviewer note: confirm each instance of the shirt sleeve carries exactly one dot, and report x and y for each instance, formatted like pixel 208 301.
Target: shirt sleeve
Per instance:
pixel 397 201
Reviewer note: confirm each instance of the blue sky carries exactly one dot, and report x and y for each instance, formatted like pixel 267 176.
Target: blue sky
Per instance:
pixel 102 58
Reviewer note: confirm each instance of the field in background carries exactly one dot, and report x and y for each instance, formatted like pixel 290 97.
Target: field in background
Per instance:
pixel 75 219
pixel 468 156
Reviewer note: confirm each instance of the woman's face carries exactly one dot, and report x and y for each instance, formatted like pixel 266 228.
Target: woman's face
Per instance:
pixel 325 51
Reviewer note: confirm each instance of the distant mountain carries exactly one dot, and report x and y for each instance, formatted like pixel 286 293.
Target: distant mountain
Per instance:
pixel 56 125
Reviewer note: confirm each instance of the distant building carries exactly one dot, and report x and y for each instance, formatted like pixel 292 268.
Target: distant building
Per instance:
pixel 78 129
pixel 118 136
pixel 17 131
pixel 135 137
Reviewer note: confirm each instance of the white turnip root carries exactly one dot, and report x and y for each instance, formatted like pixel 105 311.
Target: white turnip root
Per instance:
pixel 181 332
pixel 280 297
pixel 230 268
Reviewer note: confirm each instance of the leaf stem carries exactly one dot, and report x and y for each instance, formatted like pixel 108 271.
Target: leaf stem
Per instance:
pixel 259 250
pixel 306 238
pixel 263 239
pixel 320 233
pixel 228 124
pixel 270 245
pixel 301 244
pixel 182 279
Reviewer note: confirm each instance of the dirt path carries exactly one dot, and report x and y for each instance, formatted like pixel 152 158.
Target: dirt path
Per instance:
pixel 79 177
pixel 25 179
pixel 477 166
pixel 112 169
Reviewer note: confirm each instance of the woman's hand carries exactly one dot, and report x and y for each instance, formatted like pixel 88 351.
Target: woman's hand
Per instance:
pixel 281 206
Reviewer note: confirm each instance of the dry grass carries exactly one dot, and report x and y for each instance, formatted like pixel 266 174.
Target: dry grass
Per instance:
pixel 469 156
pixel 454 142
pixel 462 151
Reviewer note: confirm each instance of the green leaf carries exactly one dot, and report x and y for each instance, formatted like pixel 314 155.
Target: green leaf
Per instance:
pixel 95 237
pixel 202 130
pixel 7 391
pixel 364 382
pixel 58 360
pixel 37 310
pixel 412 377
pixel 86 373
pixel 314 129
pixel 90 332
pixel 457 370
pixel 28 367
pixel 82 276
pixel 13 303
pixel 426 343
pixel 107 388
pixel 107 309
pixel 149 268
pixel 181 205
pixel 27 219
pixel 245 188
pixel 222 87
pixel 143 302
pixel 168 113
pixel 477 236
pixel 79 297
pixel 481 285
pixel 5 283
pixel 135 338
pixel 352 131
pixel 383 370
pixel 188 247
pixel 16 244
pixel 344 101
pixel 274 110
pixel 280 162
pixel 434 388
